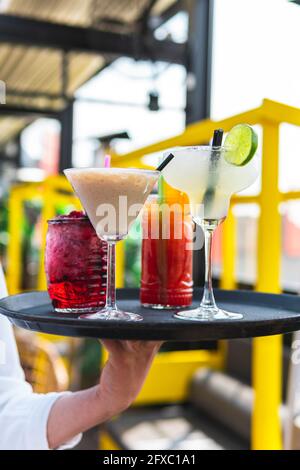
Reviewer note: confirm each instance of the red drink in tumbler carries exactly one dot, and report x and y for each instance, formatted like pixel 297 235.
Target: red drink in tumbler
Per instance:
pixel 76 264
pixel 167 258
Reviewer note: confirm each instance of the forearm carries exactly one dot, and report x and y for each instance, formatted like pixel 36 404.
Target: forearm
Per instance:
pixel 75 413
pixel 120 382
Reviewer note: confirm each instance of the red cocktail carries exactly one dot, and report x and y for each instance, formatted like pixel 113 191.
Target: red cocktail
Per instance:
pixel 76 264
pixel 167 257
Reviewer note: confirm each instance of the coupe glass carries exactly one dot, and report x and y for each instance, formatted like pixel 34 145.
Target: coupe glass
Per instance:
pixel 112 198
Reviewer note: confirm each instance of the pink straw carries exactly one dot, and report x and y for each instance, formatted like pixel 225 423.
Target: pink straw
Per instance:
pixel 107 159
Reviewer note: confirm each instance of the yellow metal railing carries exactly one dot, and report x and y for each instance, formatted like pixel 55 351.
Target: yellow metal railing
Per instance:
pixel 50 193
pixel 266 426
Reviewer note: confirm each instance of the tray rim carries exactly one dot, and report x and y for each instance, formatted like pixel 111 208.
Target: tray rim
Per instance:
pixel 283 325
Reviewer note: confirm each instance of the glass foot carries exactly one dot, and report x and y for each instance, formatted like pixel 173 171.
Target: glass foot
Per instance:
pixel 207 314
pixel 112 314
pixel 76 310
pixel 163 307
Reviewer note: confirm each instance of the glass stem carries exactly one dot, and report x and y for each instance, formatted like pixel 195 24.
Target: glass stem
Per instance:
pixel 111 276
pixel 208 300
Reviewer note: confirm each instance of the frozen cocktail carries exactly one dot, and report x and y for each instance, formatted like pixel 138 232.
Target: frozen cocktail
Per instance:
pixel 112 198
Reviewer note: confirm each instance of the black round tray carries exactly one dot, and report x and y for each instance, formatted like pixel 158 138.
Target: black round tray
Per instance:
pixel 264 314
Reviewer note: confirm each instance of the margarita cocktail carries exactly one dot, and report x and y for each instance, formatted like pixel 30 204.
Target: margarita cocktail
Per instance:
pixel 112 198
pixel 210 175
pixel 208 179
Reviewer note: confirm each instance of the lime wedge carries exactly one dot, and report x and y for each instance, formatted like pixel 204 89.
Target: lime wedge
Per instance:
pixel 241 143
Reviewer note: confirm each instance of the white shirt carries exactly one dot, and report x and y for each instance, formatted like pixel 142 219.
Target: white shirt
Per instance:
pixel 23 414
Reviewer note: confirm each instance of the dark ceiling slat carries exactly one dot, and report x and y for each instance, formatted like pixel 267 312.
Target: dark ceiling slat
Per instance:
pixel 178 6
pixel 144 17
pixel 19 30
pixel 19 110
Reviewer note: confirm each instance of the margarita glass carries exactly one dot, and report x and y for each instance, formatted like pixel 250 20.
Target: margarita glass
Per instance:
pixel 209 181
pixel 112 198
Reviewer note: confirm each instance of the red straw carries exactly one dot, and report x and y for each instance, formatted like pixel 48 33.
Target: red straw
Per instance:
pixel 107 159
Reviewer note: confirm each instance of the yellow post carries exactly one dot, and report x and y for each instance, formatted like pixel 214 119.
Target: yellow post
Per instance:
pixel 48 212
pixel 228 252
pixel 267 352
pixel 120 264
pixel 14 254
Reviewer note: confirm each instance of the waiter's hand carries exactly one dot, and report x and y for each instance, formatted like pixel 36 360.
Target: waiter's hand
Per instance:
pixel 125 371
pixel 121 380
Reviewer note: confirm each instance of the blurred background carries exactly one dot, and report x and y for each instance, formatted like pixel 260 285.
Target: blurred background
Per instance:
pixel 81 79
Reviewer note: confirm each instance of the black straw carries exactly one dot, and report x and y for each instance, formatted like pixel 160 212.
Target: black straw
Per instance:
pixel 217 138
pixel 212 179
pixel 165 162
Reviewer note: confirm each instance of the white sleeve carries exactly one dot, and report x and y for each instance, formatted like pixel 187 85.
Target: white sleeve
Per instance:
pixel 23 414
